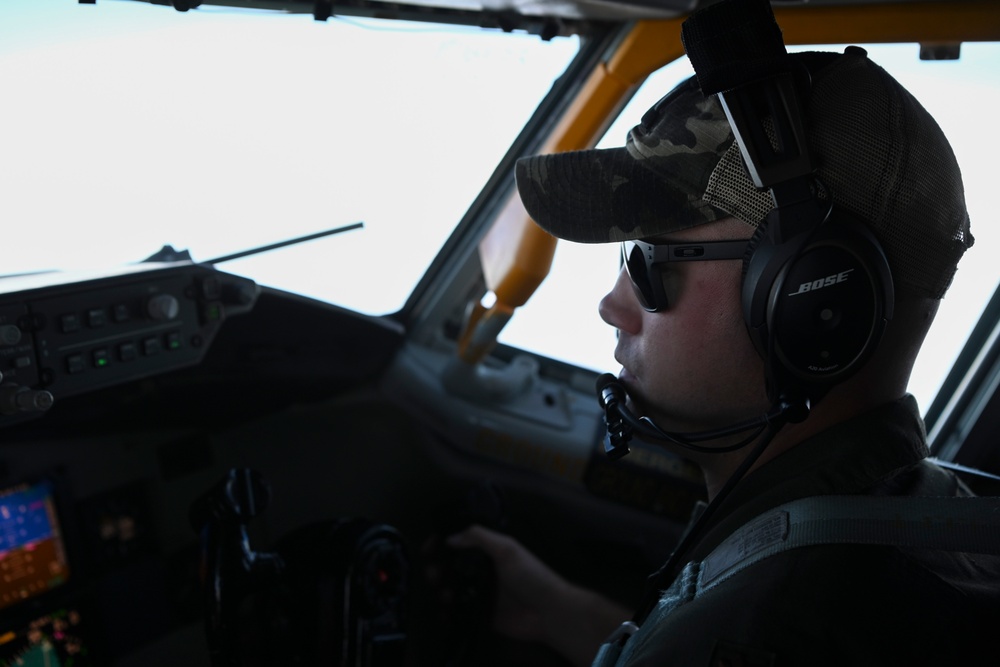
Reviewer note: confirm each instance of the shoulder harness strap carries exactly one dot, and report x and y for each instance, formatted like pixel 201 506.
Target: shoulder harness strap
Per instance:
pixel 947 523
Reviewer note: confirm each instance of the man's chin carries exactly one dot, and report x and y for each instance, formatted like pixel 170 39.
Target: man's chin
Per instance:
pixel 671 421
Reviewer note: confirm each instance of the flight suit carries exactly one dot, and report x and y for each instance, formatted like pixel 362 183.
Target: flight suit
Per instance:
pixel 833 604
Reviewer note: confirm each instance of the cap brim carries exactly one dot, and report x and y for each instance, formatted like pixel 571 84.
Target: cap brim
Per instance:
pixel 602 196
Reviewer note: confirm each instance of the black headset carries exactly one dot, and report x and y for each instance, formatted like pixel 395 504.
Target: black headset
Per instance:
pixel 817 290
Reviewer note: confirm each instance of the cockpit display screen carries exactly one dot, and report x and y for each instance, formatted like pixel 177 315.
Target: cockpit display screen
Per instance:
pixel 32 551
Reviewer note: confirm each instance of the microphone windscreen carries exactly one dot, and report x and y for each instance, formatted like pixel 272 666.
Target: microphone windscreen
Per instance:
pixel 608 387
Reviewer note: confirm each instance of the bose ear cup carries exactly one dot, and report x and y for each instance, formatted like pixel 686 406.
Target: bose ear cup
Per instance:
pixel 816 305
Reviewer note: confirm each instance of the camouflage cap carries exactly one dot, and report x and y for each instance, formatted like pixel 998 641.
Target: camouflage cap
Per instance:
pixel 878 153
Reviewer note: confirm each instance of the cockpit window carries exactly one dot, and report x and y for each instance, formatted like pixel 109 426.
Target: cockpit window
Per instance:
pixel 129 126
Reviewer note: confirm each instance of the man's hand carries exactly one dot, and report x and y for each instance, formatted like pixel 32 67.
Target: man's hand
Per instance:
pixel 534 603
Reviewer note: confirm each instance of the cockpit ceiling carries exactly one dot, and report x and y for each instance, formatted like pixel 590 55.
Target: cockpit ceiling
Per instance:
pixel 547 18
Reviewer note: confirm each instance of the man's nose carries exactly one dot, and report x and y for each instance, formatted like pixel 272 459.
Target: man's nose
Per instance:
pixel 619 307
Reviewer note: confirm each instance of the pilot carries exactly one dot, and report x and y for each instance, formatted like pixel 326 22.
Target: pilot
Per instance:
pixel 692 364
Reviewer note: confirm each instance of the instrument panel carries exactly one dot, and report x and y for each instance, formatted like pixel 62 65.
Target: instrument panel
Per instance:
pixel 66 334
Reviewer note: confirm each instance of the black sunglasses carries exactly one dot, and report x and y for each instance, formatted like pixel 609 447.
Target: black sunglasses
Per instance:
pixel 640 260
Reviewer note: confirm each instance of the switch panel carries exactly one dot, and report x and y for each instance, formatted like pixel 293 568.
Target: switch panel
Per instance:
pixel 68 334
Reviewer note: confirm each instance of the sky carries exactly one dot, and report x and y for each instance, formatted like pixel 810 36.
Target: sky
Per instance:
pixel 129 126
